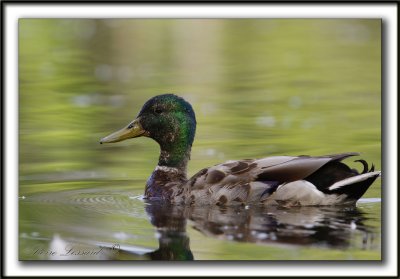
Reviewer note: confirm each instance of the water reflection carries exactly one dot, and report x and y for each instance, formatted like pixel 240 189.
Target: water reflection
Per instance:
pixel 330 227
pixel 318 226
pixel 170 222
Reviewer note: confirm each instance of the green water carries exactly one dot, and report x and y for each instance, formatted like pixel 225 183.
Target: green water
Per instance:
pixel 258 87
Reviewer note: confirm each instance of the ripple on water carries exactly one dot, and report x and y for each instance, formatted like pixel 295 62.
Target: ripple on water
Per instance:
pixel 96 200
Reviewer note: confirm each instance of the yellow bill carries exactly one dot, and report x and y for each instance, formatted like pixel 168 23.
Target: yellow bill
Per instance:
pixel 133 130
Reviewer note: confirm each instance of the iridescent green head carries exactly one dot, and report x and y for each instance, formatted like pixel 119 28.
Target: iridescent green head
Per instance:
pixel 170 121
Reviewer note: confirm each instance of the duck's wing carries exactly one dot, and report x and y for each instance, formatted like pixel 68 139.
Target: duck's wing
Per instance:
pixel 252 180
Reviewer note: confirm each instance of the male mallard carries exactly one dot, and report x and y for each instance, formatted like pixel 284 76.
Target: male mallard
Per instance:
pixel 284 180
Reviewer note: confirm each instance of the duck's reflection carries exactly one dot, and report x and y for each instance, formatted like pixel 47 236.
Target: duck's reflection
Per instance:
pixel 331 227
pixel 319 226
pixel 170 222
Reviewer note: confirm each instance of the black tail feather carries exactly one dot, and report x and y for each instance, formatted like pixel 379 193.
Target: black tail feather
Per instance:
pixel 356 190
pixel 372 168
pixel 335 171
pixel 365 165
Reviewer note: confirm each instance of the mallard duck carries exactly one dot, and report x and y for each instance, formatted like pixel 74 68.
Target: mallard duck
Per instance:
pixel 282 180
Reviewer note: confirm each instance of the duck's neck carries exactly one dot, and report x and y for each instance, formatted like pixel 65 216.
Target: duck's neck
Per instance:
pixel 174 155
pixel 171 168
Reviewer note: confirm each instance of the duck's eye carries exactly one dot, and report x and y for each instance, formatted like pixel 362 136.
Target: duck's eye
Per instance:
pixel 130 126
pixel 158 110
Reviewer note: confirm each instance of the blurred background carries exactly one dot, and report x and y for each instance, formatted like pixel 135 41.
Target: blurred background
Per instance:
pixel 259 87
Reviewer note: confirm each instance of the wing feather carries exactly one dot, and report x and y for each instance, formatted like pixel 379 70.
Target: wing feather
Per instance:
pixel 251 179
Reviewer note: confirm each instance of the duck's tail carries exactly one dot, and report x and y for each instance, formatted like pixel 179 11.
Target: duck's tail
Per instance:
pixel 354 187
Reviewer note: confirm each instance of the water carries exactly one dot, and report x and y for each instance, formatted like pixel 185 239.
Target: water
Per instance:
pixel 70 224
pixel 258 87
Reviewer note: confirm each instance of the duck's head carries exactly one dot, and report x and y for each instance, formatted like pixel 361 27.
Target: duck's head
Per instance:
pixel 169 120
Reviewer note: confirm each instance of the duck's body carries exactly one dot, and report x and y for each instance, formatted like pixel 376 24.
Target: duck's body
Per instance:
pixel 282 180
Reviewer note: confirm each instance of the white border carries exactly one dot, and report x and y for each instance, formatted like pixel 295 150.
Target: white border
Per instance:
pixel 15 11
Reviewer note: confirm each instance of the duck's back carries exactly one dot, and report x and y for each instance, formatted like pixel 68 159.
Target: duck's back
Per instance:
pixel 301 180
